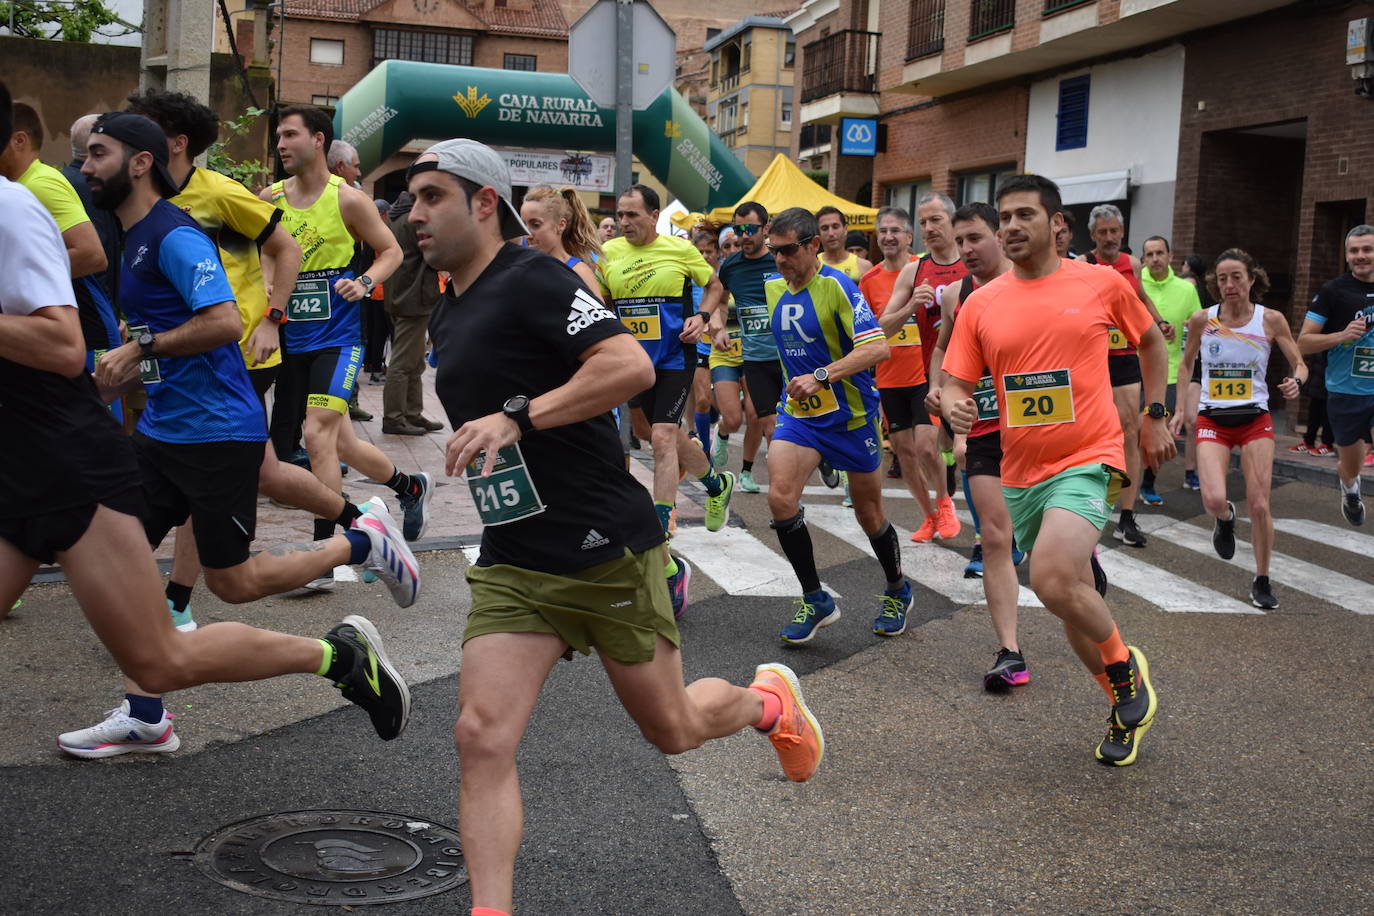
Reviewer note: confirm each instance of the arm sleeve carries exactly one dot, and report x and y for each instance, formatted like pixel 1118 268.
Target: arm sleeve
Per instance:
pixel 964 356
pixel 34 270
pixel 190 261
pixel 570 319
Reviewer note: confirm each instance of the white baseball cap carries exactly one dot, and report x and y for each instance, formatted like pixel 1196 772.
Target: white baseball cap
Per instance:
pixel 481 165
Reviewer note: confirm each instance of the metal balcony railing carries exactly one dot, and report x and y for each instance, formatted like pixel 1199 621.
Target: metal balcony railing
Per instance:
pixel 988 17
pixel 926 29
pixel 842 62
pixel 1057 6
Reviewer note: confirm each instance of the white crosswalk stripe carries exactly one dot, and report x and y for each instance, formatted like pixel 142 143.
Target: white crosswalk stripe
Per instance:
pixel 1165 590
pixel 738 561
pixel 1330 535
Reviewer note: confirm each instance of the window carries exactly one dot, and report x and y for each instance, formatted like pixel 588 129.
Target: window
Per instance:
pixel 748 53
pixel 906 195
pixel 327 51
pixel 988 17
pixel 743 115
pixel 786 118
pixel 726 117
pixel 982 184
pixel 432 47
pixel 520 62
pixel 925 28
pixel 711 33
pixel 324 101
pixel 1072 132
pixel 790 54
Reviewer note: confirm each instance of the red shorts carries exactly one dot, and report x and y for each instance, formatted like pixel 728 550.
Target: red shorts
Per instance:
pixel 1262 427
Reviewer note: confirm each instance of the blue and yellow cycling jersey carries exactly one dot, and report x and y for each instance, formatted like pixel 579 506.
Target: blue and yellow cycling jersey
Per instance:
pixel 816 326
pixel 650 287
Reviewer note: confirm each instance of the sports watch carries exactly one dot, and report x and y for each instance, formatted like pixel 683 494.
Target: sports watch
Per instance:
pixel 367 282
pixel 822 375
pixel 276 316
pixel 146 342
pixel 518 409
pixel 1156 411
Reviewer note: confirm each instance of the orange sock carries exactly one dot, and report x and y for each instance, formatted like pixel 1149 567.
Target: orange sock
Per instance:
pixel 488 911
pixel 1106 684
pixel 772 709
pixel 1113 650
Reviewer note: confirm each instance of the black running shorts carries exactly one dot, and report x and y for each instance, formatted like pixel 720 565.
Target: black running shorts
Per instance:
pixel 984 455
pixel 42 537
pixel 905 408
pixel 665 402
pixel 1124 370
pixel 763 378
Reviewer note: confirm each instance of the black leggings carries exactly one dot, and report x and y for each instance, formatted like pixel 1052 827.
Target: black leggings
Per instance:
pixel 1317 419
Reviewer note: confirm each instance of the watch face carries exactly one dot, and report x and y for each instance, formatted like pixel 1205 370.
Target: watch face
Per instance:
pixel 425 6
pixel 517 403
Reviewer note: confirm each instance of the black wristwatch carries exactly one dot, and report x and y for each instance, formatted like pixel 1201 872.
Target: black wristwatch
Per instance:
pixel 822 375
pixel 1156 411
pixel 367 282
pixel 146 342
pixel 518 409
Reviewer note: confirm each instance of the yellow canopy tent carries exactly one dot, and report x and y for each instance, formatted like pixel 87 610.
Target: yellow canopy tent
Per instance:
pixel 784 185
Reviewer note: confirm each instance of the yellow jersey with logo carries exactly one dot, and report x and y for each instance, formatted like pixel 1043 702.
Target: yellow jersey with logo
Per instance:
pixel 650 287
pixel 317 317
pixel 849 266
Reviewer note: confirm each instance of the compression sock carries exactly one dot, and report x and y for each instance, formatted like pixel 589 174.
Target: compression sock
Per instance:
pixel 1148 479
pixel 324 529
pixel 179 595
pixel 145 709
pixel 711 480
pixel 403 484
pixel 665 513
pixel 772 709
pixel 889 552
pixel 349 514
pixel 1112 649
pixel 972 509
pixel 796 545
pixel 703 424
pixel 338 659
pixel 748 467
pixel 359 546
pixel 488 911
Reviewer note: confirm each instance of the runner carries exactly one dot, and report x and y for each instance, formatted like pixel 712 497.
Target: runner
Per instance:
pixel 975 232
pixel 560 226
pixel 199 443
pixel 856 243
pixel 744 274
pixel 703 404
pixel 607 229
pixel 920 286
pixel 729 242
pixel 648 278
pixel 1340 321
pixel 1039 331
pixel 902 376
pixel 725 378
pixel 323 339
pixel 1234 339
pixel 829 341
pixel 1176 300
pixel 1108 230
pixel 834 233
pixel 573 563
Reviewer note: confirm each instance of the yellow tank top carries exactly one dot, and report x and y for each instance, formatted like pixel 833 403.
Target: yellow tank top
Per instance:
pixel 849 266
pixel 317 316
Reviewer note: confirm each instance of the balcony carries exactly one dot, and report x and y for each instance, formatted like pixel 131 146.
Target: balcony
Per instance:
pixel 838 77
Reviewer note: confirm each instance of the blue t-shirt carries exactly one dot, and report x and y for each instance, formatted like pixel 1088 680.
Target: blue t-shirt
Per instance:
pixel 1349 366
pixel 744 278
pixel 171 271
pixel 818 325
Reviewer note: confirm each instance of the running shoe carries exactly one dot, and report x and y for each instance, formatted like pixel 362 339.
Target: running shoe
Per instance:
pixel 926 532
pixel 718 506
pixel 120 733
pixel 390 558
pixel 1300 449
pixel 1099 574
pixel 829 476
pixel 182 619
pixel 1262 594
pixel 416 508
pixel 1128 533
pixel 677 587
pixel 1018 556
pixel 1322 451
pixel 947 524
pixel 894 470
pixel 1135 701
pixel 720 455
pixel 322 584
pixel 892 611
pixel 848 501
pixel 1369 460
pixel 974 569
pixel 1008 671
pixel 796 736
pixel 810 616
pixel 1190 481
pixel 1150 497
pixel 747 483
pixel 1224 534
pixel 1121 745
pixel 1352 507
pixel 374 684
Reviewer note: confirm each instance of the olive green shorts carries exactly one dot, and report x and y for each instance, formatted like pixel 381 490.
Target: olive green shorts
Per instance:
pixel 620 607
pixel 1089 491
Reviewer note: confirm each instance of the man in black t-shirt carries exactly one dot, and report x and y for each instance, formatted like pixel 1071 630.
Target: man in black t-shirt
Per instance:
pixel 529 367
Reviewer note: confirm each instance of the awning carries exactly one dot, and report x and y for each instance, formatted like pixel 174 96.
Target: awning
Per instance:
pixel 1094 189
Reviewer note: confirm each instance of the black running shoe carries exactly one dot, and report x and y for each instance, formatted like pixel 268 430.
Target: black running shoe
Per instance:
pixel 1262 595
pixel 829 476
pixel 416 507
pixel 1135 700
pixel 1128 532
pixel 1007 672
pixel 1099 575
pixel 373 683
pixel 894 470
pixel 1121 745
pixel 1352 507
pixel 1224 534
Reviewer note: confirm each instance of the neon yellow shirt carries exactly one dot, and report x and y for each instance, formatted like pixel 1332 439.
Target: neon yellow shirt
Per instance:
pixel 55 193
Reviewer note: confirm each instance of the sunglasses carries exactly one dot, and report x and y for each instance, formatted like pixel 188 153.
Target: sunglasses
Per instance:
pixel 744 229
pixel 790 248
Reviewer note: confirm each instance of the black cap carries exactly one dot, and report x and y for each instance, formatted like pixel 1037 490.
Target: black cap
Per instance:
pixel 855 238
pixel 142 134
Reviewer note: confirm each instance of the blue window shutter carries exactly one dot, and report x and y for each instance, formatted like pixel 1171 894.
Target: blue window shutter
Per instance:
pixel 1072 132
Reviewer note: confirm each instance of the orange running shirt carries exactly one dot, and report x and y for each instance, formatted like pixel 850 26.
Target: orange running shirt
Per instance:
pixel 928 319
pixel 903 368
pixel 1044 342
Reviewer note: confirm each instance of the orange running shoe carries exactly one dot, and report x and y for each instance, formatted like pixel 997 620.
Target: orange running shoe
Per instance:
pixel 796 736
pixel 946 522
pixel 927 531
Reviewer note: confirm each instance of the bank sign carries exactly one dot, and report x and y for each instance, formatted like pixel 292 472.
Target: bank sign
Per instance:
pixel 858 137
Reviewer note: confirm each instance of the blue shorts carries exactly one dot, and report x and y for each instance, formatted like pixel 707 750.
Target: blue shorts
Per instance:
pixel 727 374
pixel 1351 415
pixel 858 450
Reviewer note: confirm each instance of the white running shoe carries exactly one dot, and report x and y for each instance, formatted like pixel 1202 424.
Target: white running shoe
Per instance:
pixel 391 558
pixel 322 584
pixel 182 620
pixel 120 733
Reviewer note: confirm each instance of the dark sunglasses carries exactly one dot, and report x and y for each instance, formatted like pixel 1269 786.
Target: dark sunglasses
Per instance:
pixel 790 248
pixel 743 229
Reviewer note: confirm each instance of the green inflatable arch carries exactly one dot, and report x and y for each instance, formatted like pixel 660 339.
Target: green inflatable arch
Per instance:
pixel 403 101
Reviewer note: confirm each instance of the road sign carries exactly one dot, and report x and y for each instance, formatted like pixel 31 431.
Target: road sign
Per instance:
pixel 858 137
pixel 592 54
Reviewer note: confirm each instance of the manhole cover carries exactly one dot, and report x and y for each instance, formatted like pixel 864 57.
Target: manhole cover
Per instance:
pixel 334 857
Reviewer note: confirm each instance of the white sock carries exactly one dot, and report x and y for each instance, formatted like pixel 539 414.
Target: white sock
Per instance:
pixel 1351 488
